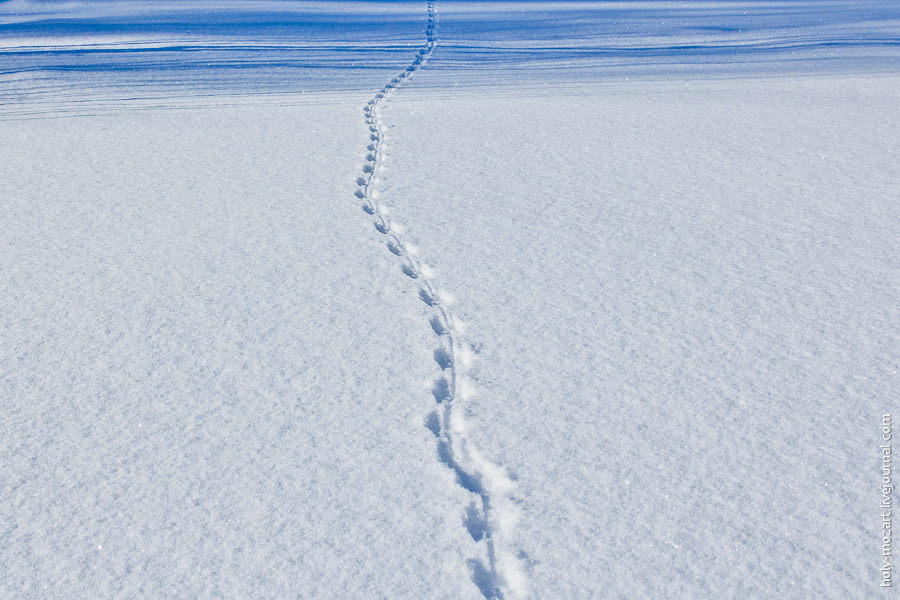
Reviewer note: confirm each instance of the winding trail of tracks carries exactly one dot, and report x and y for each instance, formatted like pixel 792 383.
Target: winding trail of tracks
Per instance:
pixel 492 515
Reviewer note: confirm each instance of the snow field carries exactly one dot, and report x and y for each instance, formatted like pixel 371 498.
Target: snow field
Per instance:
pixel 493 512
pixel 685 299
pixel 211 372
pixel 632 336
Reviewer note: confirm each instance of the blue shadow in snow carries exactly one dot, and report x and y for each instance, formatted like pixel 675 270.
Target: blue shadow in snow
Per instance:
pixel 168 48
pixel 489 43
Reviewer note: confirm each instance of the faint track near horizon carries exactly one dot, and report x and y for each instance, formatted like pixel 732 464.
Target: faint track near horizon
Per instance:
pixel 492 514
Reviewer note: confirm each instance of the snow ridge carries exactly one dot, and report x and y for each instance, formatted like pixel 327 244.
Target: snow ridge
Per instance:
pixel 493 513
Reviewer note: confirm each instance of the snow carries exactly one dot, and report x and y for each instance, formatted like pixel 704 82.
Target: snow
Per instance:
pixel 687 327
pixel 189 408
pixel 446 300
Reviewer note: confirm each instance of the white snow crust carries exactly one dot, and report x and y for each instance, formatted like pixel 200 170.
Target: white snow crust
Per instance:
pixel 447 299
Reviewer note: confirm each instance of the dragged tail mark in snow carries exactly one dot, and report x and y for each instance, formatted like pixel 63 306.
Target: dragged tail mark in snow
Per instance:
pixel 492 513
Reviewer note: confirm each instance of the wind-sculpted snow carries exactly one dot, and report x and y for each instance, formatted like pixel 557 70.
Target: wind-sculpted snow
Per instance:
pixel 509 46
pixel 56 56
pixel 60 56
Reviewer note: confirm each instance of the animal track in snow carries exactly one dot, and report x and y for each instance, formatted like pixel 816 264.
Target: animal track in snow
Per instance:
pixel 426 297
pixel 441 390
pixel 491 516
pixel 437 324
pixel 443 359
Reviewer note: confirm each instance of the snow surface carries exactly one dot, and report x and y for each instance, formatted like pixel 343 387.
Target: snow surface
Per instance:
pixel 688 326
pixel 212 384
pixel 454 300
